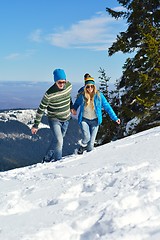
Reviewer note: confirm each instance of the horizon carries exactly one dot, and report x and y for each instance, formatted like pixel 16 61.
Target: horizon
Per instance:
pixel 27 94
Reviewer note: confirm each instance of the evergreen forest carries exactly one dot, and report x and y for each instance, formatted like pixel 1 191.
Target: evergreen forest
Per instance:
pixel 136 96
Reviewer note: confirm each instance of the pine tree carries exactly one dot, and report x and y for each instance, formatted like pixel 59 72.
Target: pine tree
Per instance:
pixel 141 73
pixel 108 130
pixel 104 80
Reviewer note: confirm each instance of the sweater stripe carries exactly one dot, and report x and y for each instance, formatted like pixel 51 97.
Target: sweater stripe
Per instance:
pixel 60 107
pixel 56 102
pixel 59 94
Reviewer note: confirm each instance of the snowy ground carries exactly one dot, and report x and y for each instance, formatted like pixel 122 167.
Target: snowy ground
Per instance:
pixel 112 193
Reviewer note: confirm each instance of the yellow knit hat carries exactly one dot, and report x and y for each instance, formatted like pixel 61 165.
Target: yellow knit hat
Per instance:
pixel 89 80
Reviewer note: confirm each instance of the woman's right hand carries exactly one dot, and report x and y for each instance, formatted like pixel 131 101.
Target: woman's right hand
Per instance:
pixel 73 111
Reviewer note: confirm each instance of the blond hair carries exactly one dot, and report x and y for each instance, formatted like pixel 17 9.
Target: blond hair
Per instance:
pixel 89 97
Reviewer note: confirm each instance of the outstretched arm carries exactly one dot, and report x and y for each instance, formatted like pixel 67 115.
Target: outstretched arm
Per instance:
pixel 107 107
pixel 78 102
pixel 39 114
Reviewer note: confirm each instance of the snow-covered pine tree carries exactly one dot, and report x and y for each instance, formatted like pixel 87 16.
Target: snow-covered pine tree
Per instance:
pixel 108 130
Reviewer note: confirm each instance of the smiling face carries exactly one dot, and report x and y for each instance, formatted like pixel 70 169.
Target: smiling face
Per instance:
pixel 90 88
pixel 61 83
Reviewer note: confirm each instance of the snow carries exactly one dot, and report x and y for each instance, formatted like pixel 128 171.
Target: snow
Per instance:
pixel 25 116
pixel 111 193
pixel 131 125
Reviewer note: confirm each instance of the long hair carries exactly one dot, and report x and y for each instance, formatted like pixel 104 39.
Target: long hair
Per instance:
pixel 89 97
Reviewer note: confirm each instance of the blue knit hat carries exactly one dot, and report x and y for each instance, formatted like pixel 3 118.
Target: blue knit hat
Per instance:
pixel 59 74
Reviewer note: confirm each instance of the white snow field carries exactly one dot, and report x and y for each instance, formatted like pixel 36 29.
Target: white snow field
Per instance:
pixel 111 193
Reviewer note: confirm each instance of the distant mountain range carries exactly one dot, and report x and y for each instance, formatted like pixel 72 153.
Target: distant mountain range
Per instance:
pixel 26 95
pixel 19 148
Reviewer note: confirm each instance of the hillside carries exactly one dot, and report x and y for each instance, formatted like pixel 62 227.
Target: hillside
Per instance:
pixel 111 193
pixel 20 148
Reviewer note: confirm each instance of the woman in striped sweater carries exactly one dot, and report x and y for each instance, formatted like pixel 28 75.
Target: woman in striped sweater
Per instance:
pixel 57 102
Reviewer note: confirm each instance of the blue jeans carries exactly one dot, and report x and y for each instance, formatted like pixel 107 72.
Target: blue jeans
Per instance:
pixel 59 130
pixel 89 130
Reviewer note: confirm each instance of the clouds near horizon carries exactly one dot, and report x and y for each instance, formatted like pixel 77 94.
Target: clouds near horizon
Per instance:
pixel 20 55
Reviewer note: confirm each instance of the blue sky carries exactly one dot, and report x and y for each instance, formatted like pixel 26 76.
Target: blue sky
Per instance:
pixel 38 36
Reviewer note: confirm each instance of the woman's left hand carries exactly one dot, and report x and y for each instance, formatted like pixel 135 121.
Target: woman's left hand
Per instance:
pixel 118 121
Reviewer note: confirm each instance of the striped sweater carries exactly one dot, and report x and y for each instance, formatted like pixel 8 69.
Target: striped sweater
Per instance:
pixel 57 102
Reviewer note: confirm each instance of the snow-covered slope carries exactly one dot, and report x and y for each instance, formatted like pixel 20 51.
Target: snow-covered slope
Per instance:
pixel 25 116
pixel 112 193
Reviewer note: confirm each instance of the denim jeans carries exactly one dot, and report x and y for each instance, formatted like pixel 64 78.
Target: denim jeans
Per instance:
pixel 89 130
pixel 59 130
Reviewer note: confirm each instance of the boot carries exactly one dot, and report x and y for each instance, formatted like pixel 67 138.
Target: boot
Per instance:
pixel 81 150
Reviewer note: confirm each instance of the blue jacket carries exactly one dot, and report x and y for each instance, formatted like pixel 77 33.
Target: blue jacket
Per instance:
pixel 99 102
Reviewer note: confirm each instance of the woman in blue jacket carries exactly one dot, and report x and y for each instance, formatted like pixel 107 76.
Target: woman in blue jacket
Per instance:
pixel 91 103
